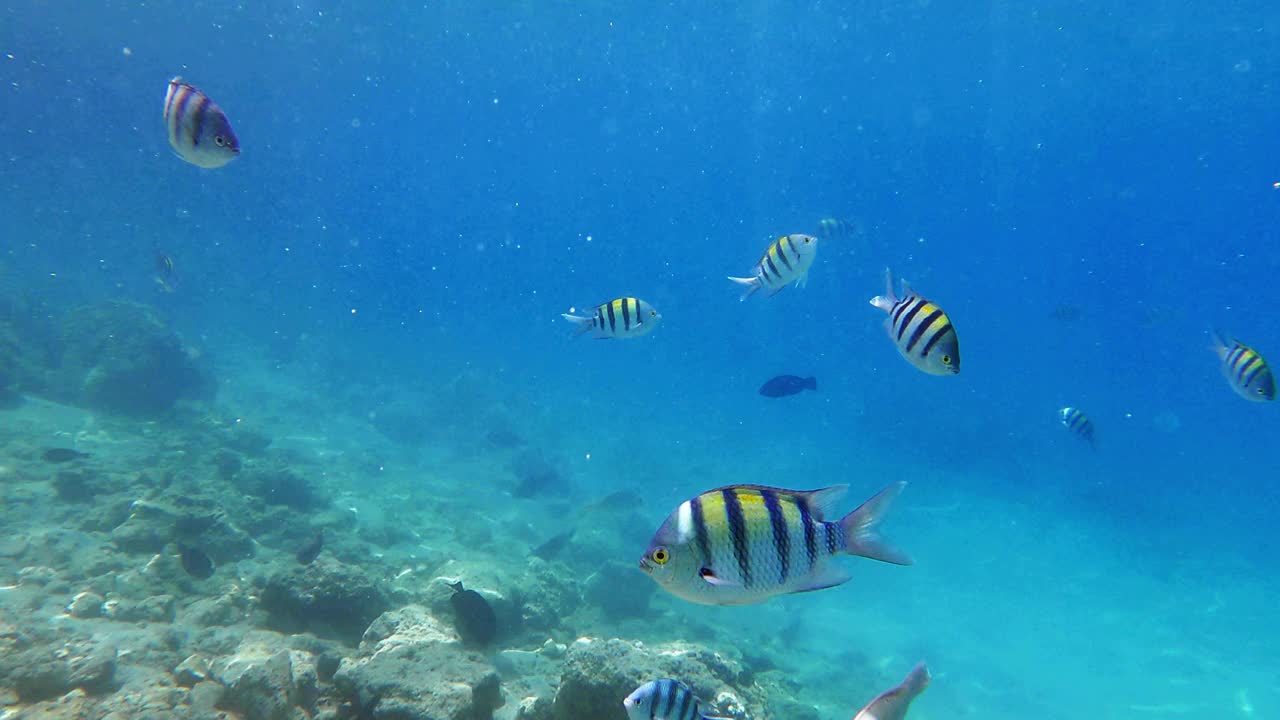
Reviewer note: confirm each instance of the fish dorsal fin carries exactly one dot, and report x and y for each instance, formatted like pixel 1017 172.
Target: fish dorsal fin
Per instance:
pixel 824 501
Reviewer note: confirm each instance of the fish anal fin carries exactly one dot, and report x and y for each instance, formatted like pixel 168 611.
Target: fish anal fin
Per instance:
pixel 825 576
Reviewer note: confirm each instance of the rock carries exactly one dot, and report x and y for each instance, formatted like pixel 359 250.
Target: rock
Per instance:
pixel 411 667
pixel 265 682
pixel 535 708
pixel 122 358
pixel 152 525
pixel 599 673
pixel 327 597
pixel 194 669
pixel 13 546
pixel 42 673
pixel 277 484
pixel 85 605
pixel 154 608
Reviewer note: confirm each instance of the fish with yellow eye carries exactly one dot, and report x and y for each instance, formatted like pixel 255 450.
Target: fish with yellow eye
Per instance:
pixel 744 544
pixel 785 261
pixel 625 317
pixel 1246 371
pixel 920 330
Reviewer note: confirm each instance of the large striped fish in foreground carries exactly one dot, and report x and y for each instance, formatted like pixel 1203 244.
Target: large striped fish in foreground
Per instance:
pixel 743 544
pixel 626 317
pixel 199 132
pixel 665 699
pixel 920 330
pixel 785 261
pixel 892 704
pixel 1244 368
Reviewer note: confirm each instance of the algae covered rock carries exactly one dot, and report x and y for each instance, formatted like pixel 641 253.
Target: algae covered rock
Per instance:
pixel 327 597
pixel 41 673
pixel 598 674
pixel 411 667
pixel 122 358
pixel 264 681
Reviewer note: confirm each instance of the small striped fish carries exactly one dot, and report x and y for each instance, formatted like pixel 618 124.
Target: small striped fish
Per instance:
pixel 665 699
pixel 1244 368
pixel 199 132
pixel 786 261
pixel 921 331
pixel 626 317
pixel 1077 422
pixel 892 704
pixel 744 544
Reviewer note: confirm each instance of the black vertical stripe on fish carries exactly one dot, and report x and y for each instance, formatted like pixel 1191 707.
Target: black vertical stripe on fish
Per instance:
pixel 600 318
pixel 933 340
pixel 781 538
pixel 686 700
pixel 782 252
pixel 906 319
pixel 1258 366
pixel 898 309
pixel 830 530
pixel 700 529
pixel 613 322
pixel 695 709
pixel 1233 356
pixel 669 698
pixel 626 313
pixel 923 325
pixel 183 97
pixel 769 261
pixel 200 114
pixel 738 533
pixel 810 542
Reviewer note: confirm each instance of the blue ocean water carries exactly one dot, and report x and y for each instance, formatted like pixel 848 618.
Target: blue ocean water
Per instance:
pixel 424 189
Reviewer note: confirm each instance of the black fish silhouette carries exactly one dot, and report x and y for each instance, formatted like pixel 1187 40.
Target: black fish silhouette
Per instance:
pixel 785 385
pixel 472 616
pixel 311 550
pixel 195 562
pixel 61 455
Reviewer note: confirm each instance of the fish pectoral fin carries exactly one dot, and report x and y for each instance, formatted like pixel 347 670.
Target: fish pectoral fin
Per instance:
pixel 711 578
pixel 829 576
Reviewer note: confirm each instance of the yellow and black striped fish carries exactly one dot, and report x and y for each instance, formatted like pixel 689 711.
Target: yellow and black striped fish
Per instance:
pixel 199 132
pixel 1077 422
pixel 626 317
pixel 830 228
pixel 920 330
pixel 785 261
pixel 743 544
pixel 1244 368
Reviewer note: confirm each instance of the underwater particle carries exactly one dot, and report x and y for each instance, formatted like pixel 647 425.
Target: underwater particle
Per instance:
pixel 195 561
pixel 61 455
pixel 785 261
pixel 785 385
pixel 1246 371
pixel 473 617
pixel 311 550
pixel 920 330
pixel 665 699
pixel 892 704
pixel 625 317
pixel 199 132
pixel 743 544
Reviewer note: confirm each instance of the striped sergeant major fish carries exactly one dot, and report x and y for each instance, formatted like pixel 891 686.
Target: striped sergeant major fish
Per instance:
pixel 921 331
pixel 199 132
pixel 892 704
pixel 626 317
pixel 664 699
pixel 1077 422
pixel 786 261
pixel 743 544
pixel 1244 368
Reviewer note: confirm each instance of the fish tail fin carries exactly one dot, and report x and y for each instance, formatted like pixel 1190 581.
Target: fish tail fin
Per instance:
pixel 1220 346
pixel 810 383
pixel 752 284
pixel 582 324
pixel 861 537
pixel 917 680
pixel 888 299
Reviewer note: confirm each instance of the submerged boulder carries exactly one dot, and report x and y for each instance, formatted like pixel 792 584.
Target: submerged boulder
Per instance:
pixel 327 597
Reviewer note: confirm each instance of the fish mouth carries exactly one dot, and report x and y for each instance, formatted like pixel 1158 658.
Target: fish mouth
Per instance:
pixel 646 566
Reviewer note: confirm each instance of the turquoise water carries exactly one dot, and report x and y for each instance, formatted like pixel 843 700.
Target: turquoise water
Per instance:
pixel 422 191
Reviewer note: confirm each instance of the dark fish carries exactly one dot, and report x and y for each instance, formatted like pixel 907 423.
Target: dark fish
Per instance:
pixel 552 547
pixel 166 275
pixel 199 132
pixel 785 385
pixel 61 455
pixel 195 562
pixel 473 617
pixel 615 500
pixel 1066 313
pixel 311 550
pixel 503 438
